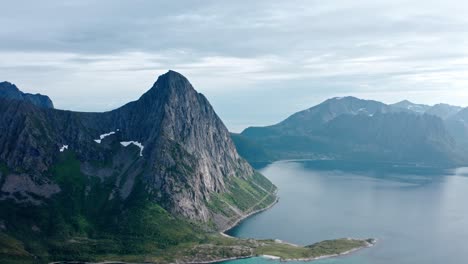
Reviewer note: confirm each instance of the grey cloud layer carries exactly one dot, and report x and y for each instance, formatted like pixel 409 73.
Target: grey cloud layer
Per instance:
pixel 304 50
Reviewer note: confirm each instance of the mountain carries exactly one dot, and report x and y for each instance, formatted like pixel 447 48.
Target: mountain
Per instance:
pixel 353 129
pixel 314 118
pixel 155 173
pixel 461 115
pixel 251 151
pixel 453 117
pixel 337 106
pixel 458 126
pixel 443 111
pixel 10 91
pixel 407 105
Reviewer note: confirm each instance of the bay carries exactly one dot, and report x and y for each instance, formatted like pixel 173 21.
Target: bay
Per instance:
pixel 418 214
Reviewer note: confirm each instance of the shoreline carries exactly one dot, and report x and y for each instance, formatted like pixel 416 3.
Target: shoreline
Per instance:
pixel 346 253
pixel 237 222
pixel 210 261
pixel 279 259
pixel 233 225
pixel 269 257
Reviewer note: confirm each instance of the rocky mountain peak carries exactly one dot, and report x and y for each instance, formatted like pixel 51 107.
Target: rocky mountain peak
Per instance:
pixel 410 106
pixel 11 92
pixel 8 86
pixel 171 140
pixel 337 106
pixel 170 83
pixel 404 104
pixel 343 98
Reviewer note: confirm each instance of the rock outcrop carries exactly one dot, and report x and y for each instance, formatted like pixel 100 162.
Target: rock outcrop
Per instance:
pixel 10 91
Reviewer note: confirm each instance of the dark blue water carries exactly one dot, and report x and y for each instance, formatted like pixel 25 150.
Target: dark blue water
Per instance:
pixel 418 214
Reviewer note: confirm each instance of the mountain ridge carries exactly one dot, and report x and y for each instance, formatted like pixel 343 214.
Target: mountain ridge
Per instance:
pixel 408 105
pixel 166 156
pixel 10 91
pixel 340 128
pixel 157 119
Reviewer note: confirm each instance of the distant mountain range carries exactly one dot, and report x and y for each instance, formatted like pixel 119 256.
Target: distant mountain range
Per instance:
pixel 349 128
pixel 152 174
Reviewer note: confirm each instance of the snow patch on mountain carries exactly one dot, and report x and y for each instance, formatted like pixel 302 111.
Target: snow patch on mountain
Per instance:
pixel 136 143
pixel 101 137
pixel 63 148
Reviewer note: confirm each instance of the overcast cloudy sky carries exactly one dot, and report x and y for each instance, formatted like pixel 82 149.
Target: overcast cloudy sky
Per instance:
pixel 256 61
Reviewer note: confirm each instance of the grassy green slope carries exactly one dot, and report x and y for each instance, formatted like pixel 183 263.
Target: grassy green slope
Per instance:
pixel 81 222
pixel 249 196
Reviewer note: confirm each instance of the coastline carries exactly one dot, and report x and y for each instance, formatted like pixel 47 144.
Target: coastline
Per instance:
pixel 253 254
pixel 269 257
pixel 279 259
pixel 212 261
pixel 368 243
pixel 346 253
pixel 237 222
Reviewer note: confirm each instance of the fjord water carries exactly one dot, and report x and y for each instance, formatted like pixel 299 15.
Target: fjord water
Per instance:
pixel 418 215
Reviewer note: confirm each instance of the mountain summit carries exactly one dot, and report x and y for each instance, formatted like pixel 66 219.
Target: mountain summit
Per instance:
pixel 10 91
pixel 164 159
pixel 407 105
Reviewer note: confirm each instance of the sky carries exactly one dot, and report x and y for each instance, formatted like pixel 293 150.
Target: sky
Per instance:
pixel 256 61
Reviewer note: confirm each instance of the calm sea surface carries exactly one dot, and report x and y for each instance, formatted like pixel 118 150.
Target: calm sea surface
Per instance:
pixel 419 215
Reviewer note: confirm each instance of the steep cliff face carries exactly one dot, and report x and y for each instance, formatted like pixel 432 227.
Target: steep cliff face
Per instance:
pixel 10 91
pixel 170 140
pixel 189 127
pixel 182 135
